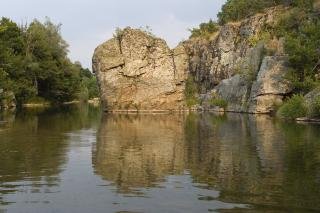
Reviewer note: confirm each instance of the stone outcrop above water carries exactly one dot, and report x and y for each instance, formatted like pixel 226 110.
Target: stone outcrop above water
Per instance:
pixel 137 71
pixel 271 86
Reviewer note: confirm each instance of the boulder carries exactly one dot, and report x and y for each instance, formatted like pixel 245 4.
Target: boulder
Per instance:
pixel 235 91
pixel 271 86
pixel 136 71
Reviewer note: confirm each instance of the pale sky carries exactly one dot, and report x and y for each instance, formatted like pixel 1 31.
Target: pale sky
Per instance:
pixel 88 23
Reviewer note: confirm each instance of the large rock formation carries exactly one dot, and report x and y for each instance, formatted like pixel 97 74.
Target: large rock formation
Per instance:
pixel 137 71
pixel 271 86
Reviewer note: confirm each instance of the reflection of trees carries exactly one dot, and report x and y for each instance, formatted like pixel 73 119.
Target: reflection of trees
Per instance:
pixel 249 159
pixel 256 160
pixel 33 147
pixel 138 150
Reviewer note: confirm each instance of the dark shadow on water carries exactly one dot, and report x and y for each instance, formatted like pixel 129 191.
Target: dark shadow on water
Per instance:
pixel 33 147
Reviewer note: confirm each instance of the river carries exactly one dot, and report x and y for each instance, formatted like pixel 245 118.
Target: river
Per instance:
pixel 78 159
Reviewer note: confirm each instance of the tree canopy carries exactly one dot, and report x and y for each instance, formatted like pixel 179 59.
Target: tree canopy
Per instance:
pixel 34 63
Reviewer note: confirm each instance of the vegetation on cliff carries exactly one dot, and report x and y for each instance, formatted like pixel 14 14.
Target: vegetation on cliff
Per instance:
pixel 235 10
pixel 297 28
pixel 191 91
pixel 300 28
pixel 205 30
pixel 34 64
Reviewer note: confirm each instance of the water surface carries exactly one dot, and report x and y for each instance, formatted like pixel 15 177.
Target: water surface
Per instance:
pixel 77 159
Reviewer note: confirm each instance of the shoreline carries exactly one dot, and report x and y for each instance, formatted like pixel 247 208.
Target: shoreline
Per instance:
pixel 154 112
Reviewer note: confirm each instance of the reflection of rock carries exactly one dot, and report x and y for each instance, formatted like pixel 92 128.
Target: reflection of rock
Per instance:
pixel 136 151
pixel 249 159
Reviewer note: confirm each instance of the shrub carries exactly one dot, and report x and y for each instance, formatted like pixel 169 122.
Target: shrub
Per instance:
pixel 191 91
pixel 204 30
pixel 216 101
pixel 314 108
pixel 294 107
pixel 305 86
pixel 234 10
pixel 301 30
pixel 118 34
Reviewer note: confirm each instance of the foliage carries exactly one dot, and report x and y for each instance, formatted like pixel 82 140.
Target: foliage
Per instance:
pixel 148 30
pixel 301 86
pixel 294 107
pixel 314 108
pixel 216 101
pixel 234 10
pixel 204 30
pixel 191 91
pixel 89 82
pixel 261 36
pixel 118 34
pixel 34 63
pixel 301 30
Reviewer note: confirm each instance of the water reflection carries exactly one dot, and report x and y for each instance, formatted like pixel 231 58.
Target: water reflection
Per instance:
pixel 33 147
pixel 248 159
pixel 139 151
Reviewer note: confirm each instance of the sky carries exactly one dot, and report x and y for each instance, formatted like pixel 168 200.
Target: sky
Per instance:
pixel 88 23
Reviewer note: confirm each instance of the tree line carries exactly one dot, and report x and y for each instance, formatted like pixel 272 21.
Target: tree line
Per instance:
pixel 34 64
pixel 235 10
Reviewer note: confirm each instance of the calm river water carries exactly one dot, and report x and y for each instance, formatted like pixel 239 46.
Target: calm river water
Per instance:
pixel 77 159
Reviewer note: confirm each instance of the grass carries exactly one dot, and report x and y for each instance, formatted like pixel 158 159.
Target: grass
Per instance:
pixel 216 101
pixel 191 92
pixel 314 108
pixel 293 108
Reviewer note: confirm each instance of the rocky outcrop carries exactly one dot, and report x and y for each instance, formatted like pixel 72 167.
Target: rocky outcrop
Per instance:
pixel 258 96
pixel 136 71
pixel 235 91
pixel 271 86
pixel 231 50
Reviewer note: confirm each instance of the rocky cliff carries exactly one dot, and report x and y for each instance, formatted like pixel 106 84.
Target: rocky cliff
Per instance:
pixel 137 71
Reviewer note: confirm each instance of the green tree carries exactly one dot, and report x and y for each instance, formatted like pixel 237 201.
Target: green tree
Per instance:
pixel 34 63
pixel 12 61
pixel 234 10
pixel 204 30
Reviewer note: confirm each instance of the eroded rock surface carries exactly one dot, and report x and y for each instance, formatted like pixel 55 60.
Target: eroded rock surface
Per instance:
pixel 136 71
pixel 271 85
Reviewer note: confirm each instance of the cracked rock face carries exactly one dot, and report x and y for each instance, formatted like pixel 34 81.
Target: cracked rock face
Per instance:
pixel 271 85
pixel 136 71
pixel 218 59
